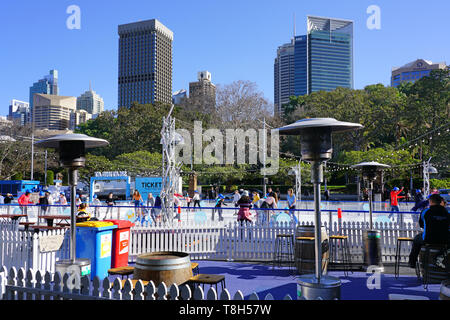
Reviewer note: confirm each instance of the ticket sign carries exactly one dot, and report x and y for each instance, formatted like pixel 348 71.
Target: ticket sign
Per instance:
pixel 146 185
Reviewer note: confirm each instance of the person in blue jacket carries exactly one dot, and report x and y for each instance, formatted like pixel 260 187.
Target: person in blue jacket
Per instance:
pixel 435 222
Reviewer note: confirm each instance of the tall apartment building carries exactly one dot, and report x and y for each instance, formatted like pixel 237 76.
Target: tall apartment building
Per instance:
pixel 414 70
pixel 320 60
pixel 91 102
pixel 145 63
pixel 203 90
pixel 284 75
pixel 19 112
pixel 53 112
pixel 46 85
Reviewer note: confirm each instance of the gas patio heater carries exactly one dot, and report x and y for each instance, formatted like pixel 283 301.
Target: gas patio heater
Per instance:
pixel 371 237
pixel 71 148
pixel 316 148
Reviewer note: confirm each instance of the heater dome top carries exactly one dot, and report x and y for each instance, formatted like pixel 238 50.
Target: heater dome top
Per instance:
pixel 54 142
pixel 318 123
pixel 371 164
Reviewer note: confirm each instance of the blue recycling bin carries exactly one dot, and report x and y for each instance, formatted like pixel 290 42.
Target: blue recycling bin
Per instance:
pixel 94 241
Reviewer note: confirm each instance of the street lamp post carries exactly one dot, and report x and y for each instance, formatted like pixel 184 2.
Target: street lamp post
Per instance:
pixel 371 237
pixel 71 148
pixel 316 148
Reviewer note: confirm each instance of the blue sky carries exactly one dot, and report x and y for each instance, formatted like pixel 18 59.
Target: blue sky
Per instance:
pixel 234 40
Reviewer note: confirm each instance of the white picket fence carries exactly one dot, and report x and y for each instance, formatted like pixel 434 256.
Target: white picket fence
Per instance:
pixel 213 241
pixel 252 242
pixel 34 285
pixel 23 249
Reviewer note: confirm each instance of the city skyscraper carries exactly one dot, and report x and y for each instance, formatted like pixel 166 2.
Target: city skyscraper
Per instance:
pixel 145 63
pixel 203 91
pixel 284 70
pixel 413 71
pixel 19 112
pixel 91 102
pixel 330 53
pixel 47 85
pixel 53 112
pixel 320 60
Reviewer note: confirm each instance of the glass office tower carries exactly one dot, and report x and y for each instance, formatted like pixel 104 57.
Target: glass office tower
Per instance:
pixel 47 85
pixel 320 60
pixel 301 65
pixel 145 63
pixel 330 53
pixel 284 68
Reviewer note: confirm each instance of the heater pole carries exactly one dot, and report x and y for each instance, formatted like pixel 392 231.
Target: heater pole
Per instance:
pixel 73 177
pixel 316 179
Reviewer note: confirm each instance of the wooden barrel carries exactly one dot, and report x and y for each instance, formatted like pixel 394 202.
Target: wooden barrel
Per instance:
pixel 304 252
pixel 436 274
pixel 168 267
pixel 445 290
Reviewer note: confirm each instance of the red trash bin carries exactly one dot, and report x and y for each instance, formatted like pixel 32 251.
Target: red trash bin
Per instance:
pixel 120 243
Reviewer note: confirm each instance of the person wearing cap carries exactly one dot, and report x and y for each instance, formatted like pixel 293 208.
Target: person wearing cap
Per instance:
pixel 394 200
pixel 220 201
pixel 435 222
pixel 43 202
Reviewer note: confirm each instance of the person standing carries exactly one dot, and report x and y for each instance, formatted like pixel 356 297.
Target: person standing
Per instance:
pixel 220 201
pixel 196 199
pixel 394 201
pixel 255 199
pixel 327 195
pixel 157 207
pixel 188 201
pixel 236 198
pixel 291 201
pixel 62 202
pixel 24 201
pixel 96 203
pixel 8 199
pixel 244 214
pixel 43 202
pixel 151 205
pixel 137 199
pixel 109 203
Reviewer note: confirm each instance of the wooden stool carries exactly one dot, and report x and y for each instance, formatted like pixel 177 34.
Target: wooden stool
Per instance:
pixel 398 263
pixel 281 242
pixel 123 271
pixel 195 269
pixel 345 251
pixel 211 279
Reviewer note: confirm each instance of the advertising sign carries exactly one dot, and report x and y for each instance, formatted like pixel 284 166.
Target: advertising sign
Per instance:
pixel 145 185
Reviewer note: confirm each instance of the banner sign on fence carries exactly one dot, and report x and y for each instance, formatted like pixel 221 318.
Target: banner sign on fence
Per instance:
pixel 145 185
pixel 51 243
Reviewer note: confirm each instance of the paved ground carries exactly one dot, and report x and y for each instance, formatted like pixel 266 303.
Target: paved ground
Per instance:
pixel 262 279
